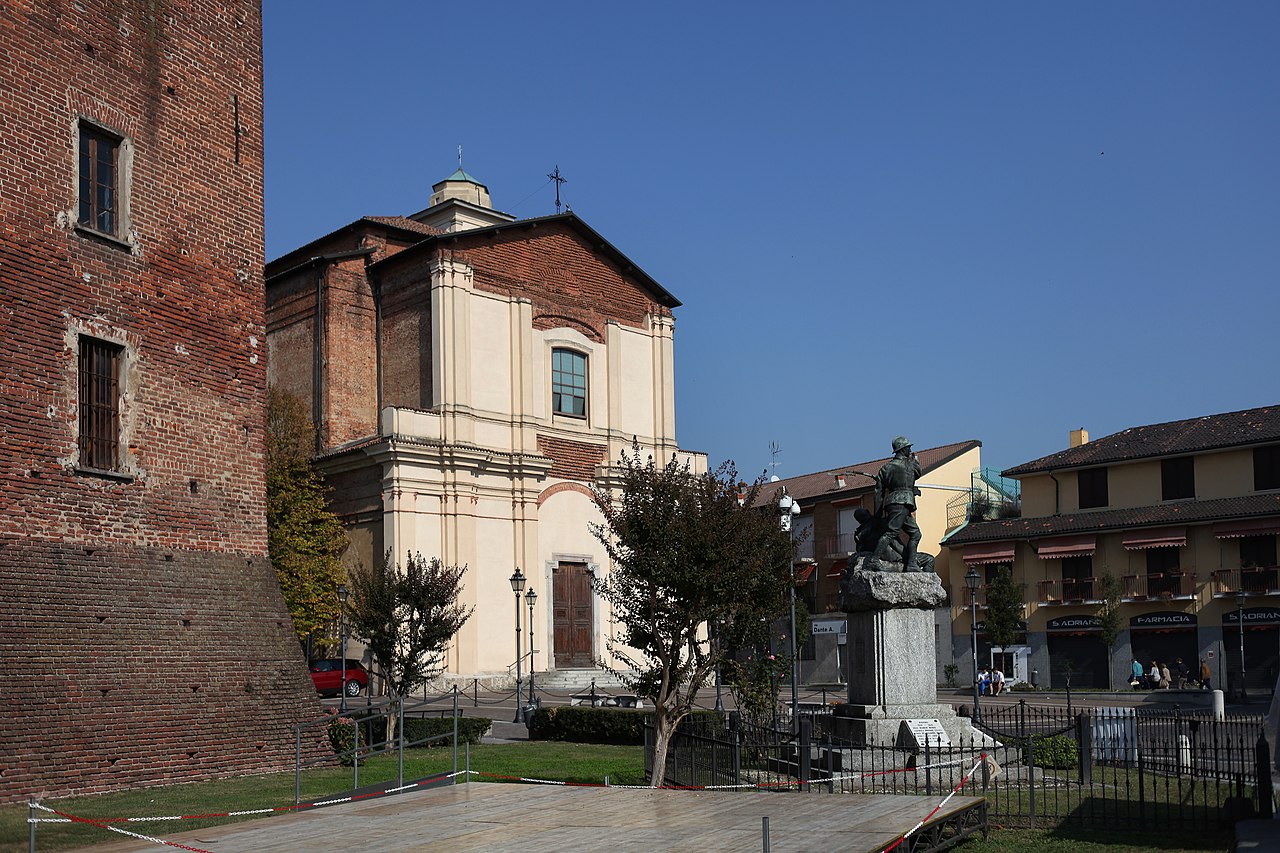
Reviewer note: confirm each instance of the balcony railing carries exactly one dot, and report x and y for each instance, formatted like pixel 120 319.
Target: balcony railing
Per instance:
pixel 805 548
pixel 839 545
pixel 1157 586
pixel 1067 591
pixel 980 594
pixel 1260 580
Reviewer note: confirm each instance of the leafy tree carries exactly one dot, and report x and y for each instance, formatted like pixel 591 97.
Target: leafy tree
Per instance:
pixel 304 539
pixel 407 616
pixel 1110 622
pixel 688 551
pixel 1004 608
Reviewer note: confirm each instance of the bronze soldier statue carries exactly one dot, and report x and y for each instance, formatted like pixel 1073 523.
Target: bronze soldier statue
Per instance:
pixel 896 497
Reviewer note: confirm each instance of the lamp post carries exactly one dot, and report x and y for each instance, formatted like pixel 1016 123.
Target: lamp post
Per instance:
pixel 971 582
pixel 530 597
pixel 715 643
pixel 787 507
pixel 1240 596
pixel 342 638
pixel 517 586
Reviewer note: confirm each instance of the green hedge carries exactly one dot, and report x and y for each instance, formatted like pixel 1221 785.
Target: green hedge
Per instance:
pixel 585 724
pixel 470 729
pixel 1060 751
pixel 588 725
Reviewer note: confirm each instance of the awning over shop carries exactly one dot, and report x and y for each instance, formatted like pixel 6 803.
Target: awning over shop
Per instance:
pixel 837 568
pixel 1247 527
pixel 1067 546
pixel 1159 537
pixel 988 552
pixel 803 571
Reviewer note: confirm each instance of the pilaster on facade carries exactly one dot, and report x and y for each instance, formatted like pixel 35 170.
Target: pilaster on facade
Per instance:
pixel 664 387
pixel 452 288
pixel 524 384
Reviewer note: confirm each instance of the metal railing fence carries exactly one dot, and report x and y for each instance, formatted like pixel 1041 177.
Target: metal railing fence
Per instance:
pixel 1040 766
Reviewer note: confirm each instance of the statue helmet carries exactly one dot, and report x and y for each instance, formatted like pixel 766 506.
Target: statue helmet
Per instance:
pixel 900 442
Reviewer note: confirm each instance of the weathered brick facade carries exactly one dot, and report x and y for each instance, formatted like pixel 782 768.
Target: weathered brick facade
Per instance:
pixel 140 617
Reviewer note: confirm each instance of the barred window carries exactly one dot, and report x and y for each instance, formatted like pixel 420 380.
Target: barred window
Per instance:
pixel 99 180
pixel 99 404
pixel 568 383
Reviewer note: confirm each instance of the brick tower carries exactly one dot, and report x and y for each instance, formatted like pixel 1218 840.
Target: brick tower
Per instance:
pixel 144 635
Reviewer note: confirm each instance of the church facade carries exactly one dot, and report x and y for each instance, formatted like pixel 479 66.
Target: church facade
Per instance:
pixel 472 376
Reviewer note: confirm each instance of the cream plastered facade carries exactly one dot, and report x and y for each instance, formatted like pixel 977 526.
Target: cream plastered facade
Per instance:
pixel 1218 474
pixel 467 481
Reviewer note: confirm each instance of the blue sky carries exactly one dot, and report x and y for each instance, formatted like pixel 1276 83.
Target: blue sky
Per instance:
pixel 998 221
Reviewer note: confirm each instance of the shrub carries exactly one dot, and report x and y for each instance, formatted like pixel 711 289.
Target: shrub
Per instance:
pixel 950 671
pixel 588 725
pixel 343 737
pixel 470 730
pixel 1059 751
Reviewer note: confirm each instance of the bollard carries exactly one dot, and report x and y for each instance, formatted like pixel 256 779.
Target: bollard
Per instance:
pixel 1219 706
pixel 1184 753
pixel 31 826
pixel 764 829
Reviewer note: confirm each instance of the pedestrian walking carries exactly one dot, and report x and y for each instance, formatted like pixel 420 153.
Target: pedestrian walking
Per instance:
pixel 1205 675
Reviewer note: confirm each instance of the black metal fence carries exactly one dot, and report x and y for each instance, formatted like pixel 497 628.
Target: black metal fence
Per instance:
pixel 1037 766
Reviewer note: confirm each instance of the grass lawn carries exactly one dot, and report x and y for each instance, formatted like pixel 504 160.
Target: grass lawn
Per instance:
pixel 1095 841
pixel 562 762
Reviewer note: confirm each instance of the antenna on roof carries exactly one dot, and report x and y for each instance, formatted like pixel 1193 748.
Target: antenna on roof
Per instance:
pixel 555 176
pixel 459 156
pixel 774 450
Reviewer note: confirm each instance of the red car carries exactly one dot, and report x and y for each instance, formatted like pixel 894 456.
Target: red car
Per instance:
pixel 327 677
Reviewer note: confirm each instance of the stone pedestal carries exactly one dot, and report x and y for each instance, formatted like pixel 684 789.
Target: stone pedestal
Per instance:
pixel 891 654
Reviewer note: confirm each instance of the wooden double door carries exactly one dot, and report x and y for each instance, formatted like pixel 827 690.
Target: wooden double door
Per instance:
pixel 572 614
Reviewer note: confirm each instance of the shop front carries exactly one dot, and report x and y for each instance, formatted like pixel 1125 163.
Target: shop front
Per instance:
pixel 1261 647
pixel 1163 637
pixel 1076 651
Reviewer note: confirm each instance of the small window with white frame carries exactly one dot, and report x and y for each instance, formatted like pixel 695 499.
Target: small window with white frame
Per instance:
pixel 569 383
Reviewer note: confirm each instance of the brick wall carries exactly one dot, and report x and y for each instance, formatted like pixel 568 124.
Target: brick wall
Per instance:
pixel 572 460
pixel 91 593
pixel 565 278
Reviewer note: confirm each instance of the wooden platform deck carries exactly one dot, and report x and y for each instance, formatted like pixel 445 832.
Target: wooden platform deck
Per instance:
pixel 550 819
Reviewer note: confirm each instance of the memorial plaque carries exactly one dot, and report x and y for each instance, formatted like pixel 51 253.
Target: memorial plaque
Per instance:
pixel 914 733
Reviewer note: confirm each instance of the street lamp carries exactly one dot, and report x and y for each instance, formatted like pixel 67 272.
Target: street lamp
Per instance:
pixel 342 636
pixel 517 586
pixel 715 647
pixel 1240 596
pixel 787 507
pixel 530 597
pixel 972 580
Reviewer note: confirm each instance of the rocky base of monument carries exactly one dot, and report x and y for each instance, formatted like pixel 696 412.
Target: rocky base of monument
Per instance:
pixel 865 589
pixel 891 659
pixel 887 725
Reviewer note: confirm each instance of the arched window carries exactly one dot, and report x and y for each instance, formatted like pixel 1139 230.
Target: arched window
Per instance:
pixel 568 383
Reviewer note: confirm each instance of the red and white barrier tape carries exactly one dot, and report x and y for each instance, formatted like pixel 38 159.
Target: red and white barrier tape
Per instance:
pixel 101 825
pixel 940 805
pixel 105 823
